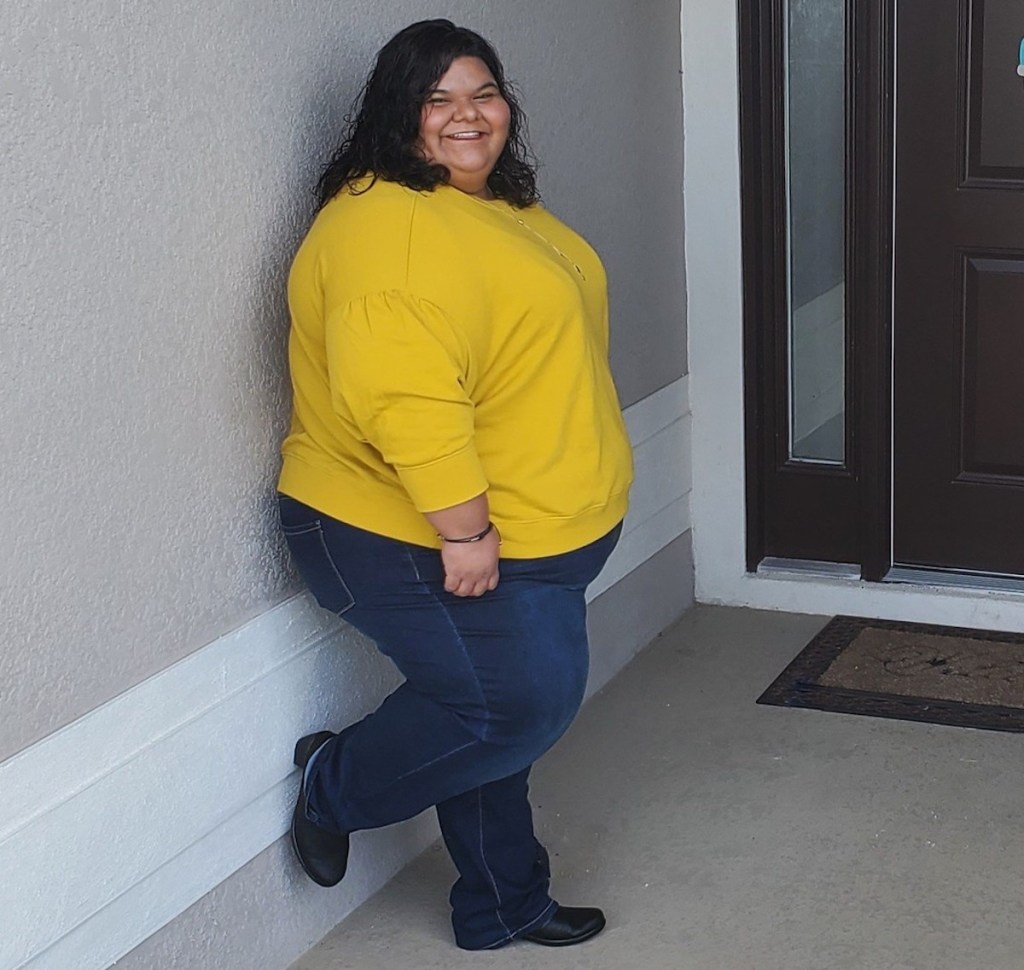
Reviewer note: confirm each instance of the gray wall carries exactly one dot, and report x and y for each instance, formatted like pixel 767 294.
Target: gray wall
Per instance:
pixel 156 160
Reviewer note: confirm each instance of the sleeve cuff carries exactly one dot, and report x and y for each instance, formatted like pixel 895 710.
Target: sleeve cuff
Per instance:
pixel 445 482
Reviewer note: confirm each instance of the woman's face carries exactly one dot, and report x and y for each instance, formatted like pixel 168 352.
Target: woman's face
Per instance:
pixel 464 125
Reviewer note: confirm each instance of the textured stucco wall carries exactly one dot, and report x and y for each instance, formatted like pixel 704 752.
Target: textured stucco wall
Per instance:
pixel 155 160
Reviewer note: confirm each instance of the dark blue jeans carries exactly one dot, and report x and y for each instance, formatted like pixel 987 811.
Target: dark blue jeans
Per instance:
pixel 490 684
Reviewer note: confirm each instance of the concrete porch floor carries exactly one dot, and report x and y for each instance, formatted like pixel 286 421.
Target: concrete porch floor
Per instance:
pixel 720 835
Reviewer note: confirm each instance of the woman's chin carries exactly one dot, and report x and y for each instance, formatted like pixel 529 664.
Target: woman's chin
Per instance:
pixel 472 183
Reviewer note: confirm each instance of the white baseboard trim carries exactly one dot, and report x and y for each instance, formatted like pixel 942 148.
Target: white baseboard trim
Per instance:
pixel 117 823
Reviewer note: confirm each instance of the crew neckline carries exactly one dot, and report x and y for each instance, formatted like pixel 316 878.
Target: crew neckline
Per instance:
pixel 476 198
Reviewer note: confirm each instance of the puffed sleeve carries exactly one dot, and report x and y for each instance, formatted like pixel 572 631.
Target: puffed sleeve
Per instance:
pixel 399 368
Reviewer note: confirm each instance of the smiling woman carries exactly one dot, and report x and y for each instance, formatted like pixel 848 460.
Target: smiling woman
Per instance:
pixel 424 71
pixel 456 475
pixel 464 125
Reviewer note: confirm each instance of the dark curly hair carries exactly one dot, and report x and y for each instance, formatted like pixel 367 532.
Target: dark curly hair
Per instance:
pixel 384 126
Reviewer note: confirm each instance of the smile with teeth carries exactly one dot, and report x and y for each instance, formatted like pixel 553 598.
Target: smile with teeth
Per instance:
pixel 466 135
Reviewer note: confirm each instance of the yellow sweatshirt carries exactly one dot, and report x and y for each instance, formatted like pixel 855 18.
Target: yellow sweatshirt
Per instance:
pixel 443 346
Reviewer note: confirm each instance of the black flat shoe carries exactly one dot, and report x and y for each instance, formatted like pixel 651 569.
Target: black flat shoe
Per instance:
pixel 569 925
pixel 322 854
pixel 306 747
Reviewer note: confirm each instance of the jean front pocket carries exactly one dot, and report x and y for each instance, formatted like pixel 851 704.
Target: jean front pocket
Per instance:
pixel 316 566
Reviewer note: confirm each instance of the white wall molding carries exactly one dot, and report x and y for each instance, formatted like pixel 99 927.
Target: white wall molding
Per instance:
pixel 659 428
pixel 114 825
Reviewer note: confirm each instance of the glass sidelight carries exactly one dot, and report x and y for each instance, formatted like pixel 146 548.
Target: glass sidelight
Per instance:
pixel 815 140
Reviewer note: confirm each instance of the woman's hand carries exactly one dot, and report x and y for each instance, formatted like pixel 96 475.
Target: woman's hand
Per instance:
pixel 471 568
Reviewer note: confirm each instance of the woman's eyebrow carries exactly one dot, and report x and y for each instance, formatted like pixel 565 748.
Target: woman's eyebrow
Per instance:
pixel 489 84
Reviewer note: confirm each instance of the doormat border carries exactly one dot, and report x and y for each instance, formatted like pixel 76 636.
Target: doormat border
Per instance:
pixel 796 686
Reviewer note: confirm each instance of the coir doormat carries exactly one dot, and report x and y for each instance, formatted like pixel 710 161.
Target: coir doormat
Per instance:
pixel 909 671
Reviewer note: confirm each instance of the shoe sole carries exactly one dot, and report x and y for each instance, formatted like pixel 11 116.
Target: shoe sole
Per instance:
pixel 573 942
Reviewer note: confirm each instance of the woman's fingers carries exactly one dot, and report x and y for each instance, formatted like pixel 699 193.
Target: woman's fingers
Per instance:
pixel 472 587
pixel 471 569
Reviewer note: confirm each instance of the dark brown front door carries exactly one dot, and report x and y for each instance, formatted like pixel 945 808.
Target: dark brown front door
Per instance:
pixel 958 324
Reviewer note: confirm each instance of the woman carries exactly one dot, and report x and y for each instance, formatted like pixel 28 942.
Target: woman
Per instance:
pixel 456 474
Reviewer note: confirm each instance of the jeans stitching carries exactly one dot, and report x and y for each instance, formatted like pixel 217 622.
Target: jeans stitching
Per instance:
pixel 330 561
pixel 548 910
pixel 447 754
pixel 487 867
pixel 415 568
pixel 380 792
pixel 458 635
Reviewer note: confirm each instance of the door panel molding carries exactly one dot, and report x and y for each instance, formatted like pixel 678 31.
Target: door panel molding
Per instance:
pixel 990 448
pixel 992 149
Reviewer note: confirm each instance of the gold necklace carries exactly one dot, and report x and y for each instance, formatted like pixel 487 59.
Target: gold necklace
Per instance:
pixel 522 222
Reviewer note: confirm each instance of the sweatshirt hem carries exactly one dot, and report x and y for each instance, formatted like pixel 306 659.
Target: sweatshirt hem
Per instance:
pixel 393 515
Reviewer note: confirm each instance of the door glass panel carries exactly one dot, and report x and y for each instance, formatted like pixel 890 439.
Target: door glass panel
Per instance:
pixel 816 180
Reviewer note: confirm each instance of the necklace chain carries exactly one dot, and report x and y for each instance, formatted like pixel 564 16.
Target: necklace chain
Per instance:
pixel 540 236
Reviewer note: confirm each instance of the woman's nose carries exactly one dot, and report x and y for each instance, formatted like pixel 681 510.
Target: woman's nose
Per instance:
pixel 466 109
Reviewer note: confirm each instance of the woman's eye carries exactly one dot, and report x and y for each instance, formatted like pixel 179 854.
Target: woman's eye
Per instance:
pixel 437 100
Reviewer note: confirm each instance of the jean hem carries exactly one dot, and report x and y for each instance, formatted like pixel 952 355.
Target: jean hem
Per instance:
pixel 539 920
